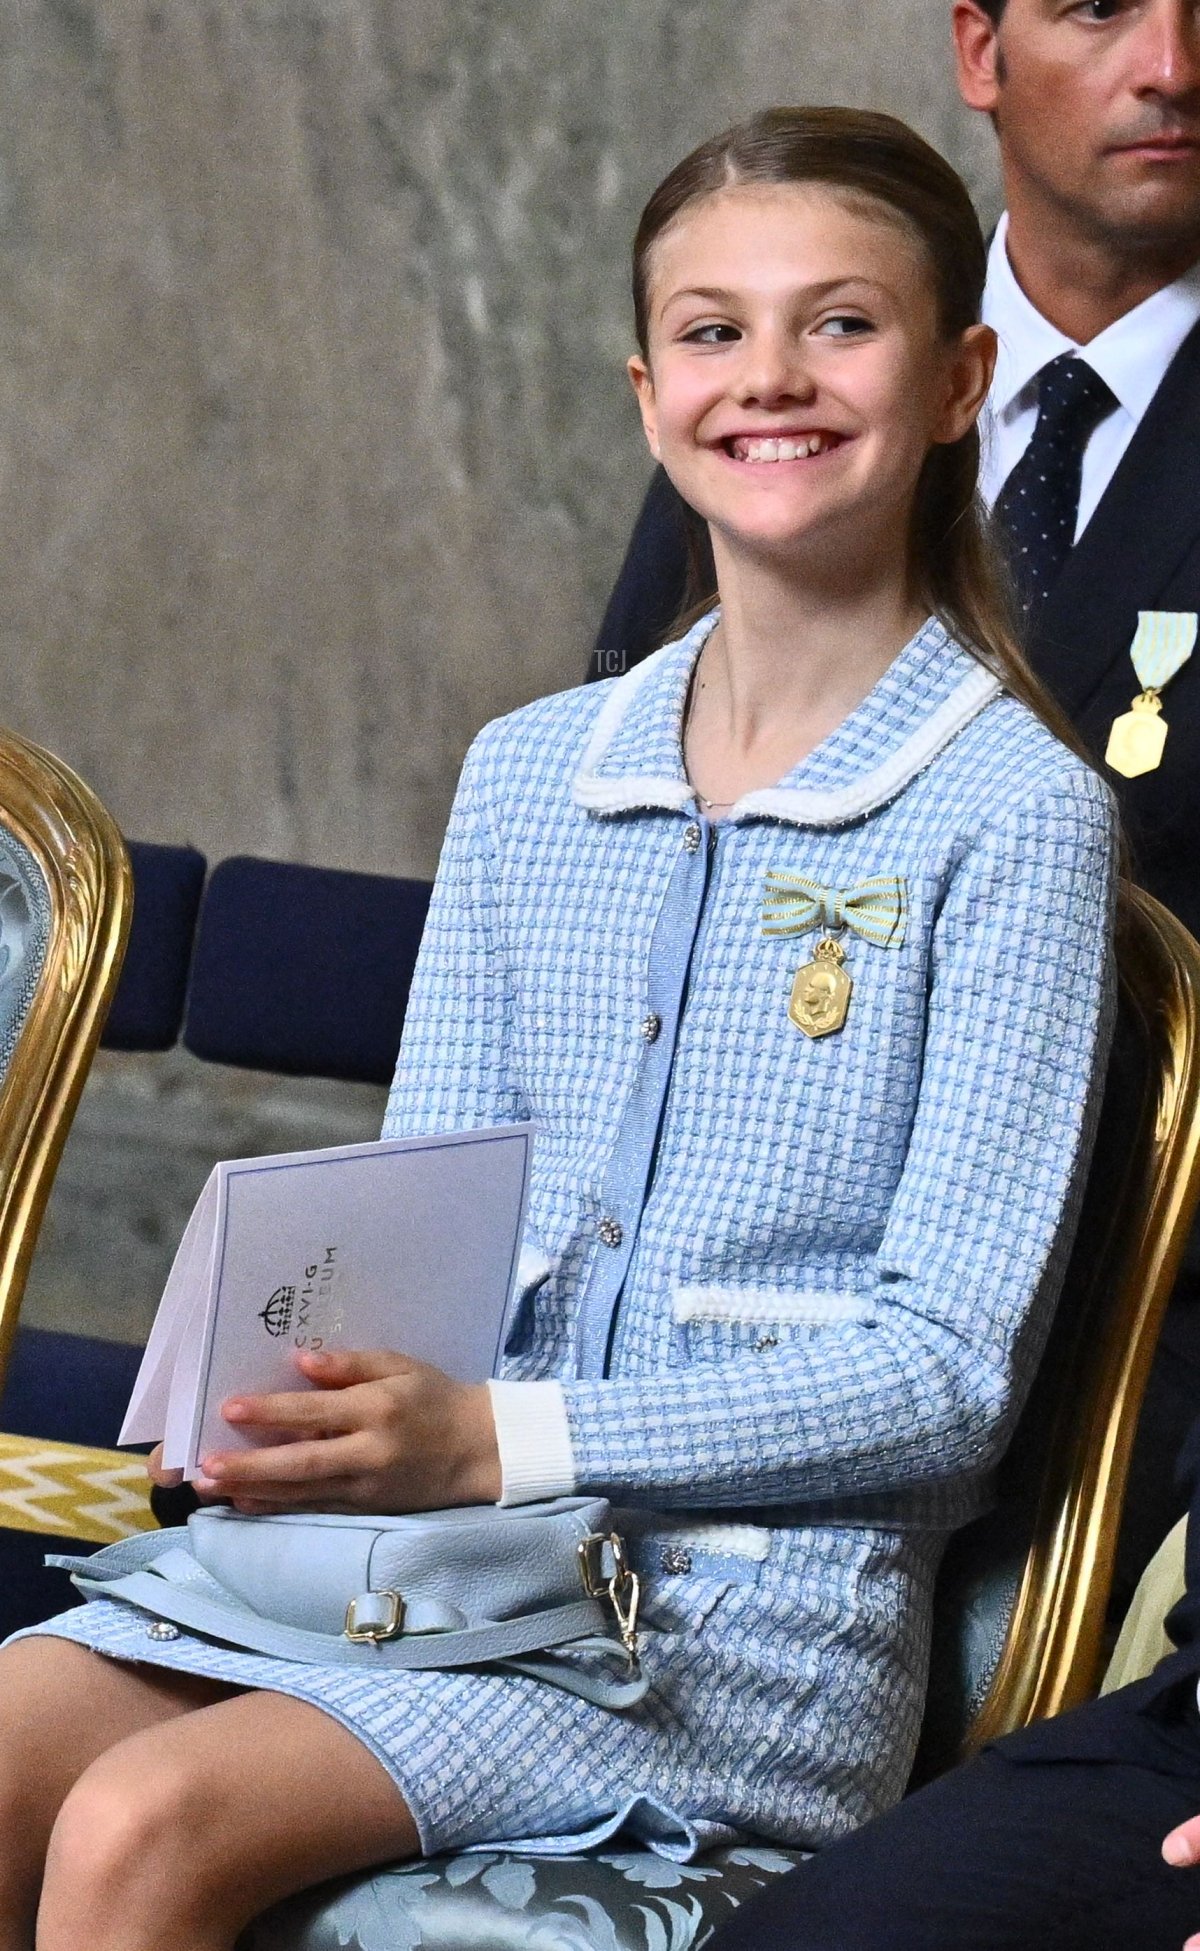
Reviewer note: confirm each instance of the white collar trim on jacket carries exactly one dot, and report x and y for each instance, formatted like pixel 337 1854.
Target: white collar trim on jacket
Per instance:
pixel 798 804
pixel 884 781
pixel 627 794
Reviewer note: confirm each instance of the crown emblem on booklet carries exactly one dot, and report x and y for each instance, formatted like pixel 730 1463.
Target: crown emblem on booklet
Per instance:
pixel 277 1314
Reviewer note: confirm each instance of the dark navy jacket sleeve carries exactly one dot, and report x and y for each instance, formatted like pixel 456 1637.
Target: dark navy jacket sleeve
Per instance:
pixel 650 589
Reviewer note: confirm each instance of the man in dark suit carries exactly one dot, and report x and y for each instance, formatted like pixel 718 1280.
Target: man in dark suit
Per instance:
pixel 1091 453
pixel 1079 1834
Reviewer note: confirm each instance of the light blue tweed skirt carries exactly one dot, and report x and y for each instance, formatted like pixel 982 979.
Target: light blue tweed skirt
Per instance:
pixel 785 1697
pixel 479 1757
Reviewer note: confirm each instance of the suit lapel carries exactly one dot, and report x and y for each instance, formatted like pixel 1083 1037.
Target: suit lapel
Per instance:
pixel 1146 521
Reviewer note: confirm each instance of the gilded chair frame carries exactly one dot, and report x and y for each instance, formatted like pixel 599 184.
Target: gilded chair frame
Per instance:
pixel 1054 1648
pixel 79 850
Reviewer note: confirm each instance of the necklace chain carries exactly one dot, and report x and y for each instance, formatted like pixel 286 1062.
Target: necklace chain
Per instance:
pixel 689 708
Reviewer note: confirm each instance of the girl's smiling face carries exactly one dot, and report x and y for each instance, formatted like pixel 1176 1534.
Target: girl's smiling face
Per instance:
pixel 797 376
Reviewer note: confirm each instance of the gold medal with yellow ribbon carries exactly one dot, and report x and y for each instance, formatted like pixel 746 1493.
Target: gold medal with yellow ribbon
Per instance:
pixel 876 910
pixel 1162 644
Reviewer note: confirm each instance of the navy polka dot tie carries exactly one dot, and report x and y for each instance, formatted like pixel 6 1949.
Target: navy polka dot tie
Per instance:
pixel 1038 506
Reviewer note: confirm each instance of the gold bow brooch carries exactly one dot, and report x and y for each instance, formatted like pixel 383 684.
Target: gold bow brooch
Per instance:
pixel 876 909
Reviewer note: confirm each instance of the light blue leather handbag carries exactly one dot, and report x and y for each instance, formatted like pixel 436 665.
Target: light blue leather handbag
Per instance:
pixel 519 1588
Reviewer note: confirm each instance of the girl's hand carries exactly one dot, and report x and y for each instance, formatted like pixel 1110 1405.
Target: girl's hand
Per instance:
pixel 379 1433
pixel 171 1479
pixel 165 1479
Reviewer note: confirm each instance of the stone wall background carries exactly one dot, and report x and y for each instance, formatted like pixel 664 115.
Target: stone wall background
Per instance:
pixel 316 448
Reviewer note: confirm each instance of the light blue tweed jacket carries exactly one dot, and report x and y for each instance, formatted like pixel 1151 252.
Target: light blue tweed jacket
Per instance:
pixel 785 1296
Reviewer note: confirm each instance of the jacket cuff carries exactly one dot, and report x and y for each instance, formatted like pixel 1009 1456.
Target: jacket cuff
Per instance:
pixel 534 1440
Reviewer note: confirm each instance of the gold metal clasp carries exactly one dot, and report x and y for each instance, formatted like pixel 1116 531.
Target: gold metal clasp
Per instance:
pixel 591 1566
pixel 621 1586
pixel 375 1632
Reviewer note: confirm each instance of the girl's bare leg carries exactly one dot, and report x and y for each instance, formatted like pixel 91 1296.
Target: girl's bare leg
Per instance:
pixel 183 1832
pixel 61 1707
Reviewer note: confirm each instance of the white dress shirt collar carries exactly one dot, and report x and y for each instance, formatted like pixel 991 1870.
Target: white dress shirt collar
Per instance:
pixel 1131 355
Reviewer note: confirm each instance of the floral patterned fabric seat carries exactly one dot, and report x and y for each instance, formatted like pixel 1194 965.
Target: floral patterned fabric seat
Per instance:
pixel 613 1901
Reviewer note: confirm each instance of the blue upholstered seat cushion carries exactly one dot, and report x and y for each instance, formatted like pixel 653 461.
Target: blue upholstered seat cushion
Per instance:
pixel 24 934
pixel 618 1901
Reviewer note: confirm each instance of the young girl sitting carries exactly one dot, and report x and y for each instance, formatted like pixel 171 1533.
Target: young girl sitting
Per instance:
pixel 795 945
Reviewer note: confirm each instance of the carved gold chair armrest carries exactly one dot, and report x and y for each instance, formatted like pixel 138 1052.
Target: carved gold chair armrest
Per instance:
pixel 65 907
pixel 1019 1631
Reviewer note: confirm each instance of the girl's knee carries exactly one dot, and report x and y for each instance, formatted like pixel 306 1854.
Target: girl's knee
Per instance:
pixel 123 1831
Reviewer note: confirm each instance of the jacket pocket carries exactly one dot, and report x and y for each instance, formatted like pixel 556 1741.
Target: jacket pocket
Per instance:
pixel 717 1323
pixel 680 1607
pixel 692 1569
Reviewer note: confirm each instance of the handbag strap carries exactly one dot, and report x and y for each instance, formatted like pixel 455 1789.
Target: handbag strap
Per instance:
pixel 201 1605
pixel 602 1690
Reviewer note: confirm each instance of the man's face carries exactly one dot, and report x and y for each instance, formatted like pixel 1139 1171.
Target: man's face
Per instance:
pixel 1097 108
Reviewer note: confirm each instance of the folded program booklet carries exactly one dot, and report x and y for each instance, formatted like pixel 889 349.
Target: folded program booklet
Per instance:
pixel 408 1244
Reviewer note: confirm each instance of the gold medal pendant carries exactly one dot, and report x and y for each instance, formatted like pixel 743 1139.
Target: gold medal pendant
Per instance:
pixel 821 991
pixel 1137 738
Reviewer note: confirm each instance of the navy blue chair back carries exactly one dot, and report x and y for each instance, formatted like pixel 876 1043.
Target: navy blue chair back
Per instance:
pixel 303 970
pixel 147 1010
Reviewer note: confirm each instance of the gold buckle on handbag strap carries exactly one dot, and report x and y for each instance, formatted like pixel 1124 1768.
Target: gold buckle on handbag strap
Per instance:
pixel 591 1562
pixel 372 1634
pixel 621 1587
